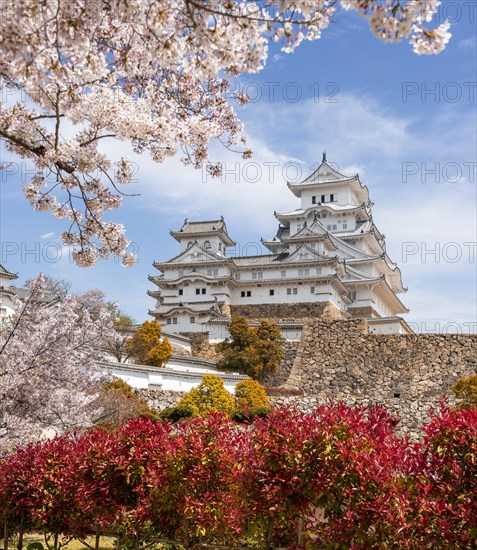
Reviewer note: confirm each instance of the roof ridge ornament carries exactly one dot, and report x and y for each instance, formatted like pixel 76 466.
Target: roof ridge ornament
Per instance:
pixel 324 156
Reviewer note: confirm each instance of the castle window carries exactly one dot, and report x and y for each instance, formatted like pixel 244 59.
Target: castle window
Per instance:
pixel 169 321
pixel 289 290
pixel 207 245
pixel 174 320
pixel 295 291
pixel 312 290
pixel 249 293
pixel 313 200
pixel 345 226
pixel 257 274
pixel 332 198
pixel 237 277
pixel 328 227
pixel 197 290
pixel 283 273
pixel 181 273
pixel 323 198
pixel 181 292
pixel 272 292
pixel 204 290
pixel 397 395
pixel 192 320
pixel 303 272
pixel 242 294
pixel 318 270
pixel 335 226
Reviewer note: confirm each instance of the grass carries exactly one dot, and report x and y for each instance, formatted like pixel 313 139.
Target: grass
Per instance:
pixel 106 543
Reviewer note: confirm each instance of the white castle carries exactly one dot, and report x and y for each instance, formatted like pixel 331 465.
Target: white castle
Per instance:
pixel 327 255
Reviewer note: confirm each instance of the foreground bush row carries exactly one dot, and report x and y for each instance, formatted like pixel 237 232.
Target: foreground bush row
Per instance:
pixel 339 477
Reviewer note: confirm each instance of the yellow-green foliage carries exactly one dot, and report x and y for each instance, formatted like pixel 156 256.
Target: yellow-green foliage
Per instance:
pixel 251 394
pixel 465 390
pixel 209 396
pixel 146 347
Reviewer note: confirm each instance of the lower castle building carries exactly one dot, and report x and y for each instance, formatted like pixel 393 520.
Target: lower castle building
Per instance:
pixel 327 259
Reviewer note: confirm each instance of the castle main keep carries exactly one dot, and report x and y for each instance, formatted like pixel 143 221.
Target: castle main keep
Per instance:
pixel 327 258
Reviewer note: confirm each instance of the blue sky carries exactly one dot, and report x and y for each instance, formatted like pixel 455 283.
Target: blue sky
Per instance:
pixel 406 123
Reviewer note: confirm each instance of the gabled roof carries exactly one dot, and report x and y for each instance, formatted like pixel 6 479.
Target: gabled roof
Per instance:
pixel 355 275
pixel 326 175
pixel 313 230
pixel 203 229
pixel 352 251
pixel 5 274
pixel 210 306
pixel 195 250
pixel 306 254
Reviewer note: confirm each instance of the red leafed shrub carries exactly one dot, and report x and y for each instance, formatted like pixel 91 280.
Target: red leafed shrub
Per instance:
pixel 197 486
pixel 337 478
pixel 38 484
pixel 443 512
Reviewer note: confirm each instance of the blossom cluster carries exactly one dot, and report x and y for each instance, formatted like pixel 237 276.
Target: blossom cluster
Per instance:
pixel 48 353
pixel 149 72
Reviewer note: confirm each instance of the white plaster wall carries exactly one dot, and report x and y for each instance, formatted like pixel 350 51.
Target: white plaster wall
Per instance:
pixel 162 379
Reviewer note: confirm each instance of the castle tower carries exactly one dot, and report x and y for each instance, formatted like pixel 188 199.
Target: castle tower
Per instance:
pixel 326 254
pixel 194 287
pixel 335 220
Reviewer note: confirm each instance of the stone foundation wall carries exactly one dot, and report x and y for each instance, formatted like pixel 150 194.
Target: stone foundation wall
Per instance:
pixel 286 312
pixel 407 373
pixel 281 376
pixel 363 312
pixel 201 347
pixel 160 399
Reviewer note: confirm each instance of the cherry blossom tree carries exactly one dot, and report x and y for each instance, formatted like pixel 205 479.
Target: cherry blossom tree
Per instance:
pixel 48 378
pixel 150 72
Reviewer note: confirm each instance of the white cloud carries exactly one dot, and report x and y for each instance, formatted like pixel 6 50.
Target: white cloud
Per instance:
pixel 467 43
pixel 47 235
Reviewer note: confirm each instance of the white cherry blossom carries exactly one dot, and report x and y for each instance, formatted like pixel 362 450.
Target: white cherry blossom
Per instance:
pixel 152 73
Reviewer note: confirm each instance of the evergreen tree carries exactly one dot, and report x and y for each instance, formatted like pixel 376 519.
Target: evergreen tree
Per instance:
pixel 252 351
